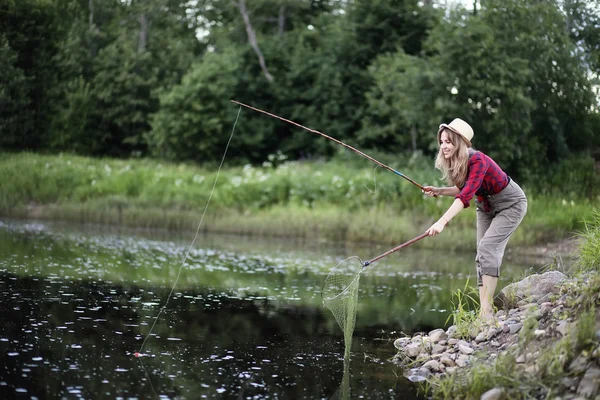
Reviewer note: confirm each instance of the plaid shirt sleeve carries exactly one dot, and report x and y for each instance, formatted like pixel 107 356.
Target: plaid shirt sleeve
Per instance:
pixel 478 165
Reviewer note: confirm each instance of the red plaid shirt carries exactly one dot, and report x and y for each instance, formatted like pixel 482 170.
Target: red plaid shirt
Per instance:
pixel 484 178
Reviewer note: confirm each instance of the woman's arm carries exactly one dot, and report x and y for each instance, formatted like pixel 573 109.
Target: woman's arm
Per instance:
pixel 441 191
pixel 456 207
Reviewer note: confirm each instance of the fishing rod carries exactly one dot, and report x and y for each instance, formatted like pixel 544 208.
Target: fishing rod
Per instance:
pixel 395 249
pixel 335 140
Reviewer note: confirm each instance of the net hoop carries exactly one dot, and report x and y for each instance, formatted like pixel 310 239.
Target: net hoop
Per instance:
pixel 336 272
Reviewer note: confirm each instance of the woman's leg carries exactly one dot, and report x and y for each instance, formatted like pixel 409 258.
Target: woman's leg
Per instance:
pixel 484 221
pixel 491 251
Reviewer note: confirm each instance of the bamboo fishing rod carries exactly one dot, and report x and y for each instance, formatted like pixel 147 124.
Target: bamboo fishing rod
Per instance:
pixel 335 140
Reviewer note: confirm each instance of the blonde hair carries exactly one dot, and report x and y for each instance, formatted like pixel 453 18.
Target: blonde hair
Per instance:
pixel 455 169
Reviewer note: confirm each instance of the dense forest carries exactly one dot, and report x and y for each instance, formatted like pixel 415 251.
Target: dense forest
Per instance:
pixel 154 78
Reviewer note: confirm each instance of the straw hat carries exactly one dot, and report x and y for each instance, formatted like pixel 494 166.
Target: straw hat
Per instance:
pixel 459 127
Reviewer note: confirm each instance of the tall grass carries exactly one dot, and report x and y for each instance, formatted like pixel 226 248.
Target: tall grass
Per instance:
pixel 346 198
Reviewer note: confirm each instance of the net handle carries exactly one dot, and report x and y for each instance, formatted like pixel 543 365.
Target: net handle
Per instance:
pixel 395 249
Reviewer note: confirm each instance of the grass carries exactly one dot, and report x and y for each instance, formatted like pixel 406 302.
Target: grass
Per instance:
pixel 343 199
pixel 464 315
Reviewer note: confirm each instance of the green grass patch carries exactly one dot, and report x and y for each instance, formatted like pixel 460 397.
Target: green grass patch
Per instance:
pixel 344 199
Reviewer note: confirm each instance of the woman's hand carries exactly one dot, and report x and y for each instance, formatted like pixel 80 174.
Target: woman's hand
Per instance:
pixel 437 228
pixel 432 191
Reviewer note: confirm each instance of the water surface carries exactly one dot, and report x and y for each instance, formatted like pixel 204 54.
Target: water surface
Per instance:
pixel 245 319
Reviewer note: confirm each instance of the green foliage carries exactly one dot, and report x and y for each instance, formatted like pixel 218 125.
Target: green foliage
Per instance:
pixel 464 310
pixel 13 97
pixel 589 250
pixel 194 116
pixel 106 78
pixel 347 199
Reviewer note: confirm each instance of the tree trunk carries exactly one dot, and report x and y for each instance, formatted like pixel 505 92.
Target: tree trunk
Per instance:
pixel 281 20
pixel 143 33
pixel 91 5
pixel 252 39
pixel 413 136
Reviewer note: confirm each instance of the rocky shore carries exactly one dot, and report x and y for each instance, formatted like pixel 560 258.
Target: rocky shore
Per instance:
pixel 534 315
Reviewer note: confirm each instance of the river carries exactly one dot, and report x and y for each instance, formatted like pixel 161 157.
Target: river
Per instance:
pixel 245 319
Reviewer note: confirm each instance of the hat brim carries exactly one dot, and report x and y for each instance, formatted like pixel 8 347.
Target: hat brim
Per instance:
pixel 446 126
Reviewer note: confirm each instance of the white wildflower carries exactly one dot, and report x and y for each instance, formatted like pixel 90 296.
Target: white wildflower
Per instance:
pixel 198 179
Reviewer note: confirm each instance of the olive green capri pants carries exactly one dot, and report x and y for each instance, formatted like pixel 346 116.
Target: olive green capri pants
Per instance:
pixel 495 227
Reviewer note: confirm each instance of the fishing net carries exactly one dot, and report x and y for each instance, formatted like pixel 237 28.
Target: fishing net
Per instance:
pixel 340 295
pixel 340 290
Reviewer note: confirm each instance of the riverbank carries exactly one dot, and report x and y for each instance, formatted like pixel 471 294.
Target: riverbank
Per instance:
pixel 545 342
pixel 339 200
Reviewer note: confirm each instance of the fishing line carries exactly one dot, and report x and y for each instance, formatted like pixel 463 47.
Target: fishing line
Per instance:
pixel 360 153
pixel 374 182
pixel 139 353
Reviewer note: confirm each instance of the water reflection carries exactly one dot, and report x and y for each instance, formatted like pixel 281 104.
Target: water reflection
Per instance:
pixel 76 307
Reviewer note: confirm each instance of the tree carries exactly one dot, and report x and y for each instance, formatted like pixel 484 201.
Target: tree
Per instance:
pixel 194 116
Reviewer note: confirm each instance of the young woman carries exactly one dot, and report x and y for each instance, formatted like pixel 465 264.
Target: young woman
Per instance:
pixel 501 203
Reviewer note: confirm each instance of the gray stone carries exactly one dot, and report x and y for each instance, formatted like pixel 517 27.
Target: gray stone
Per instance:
pixel 401 342
pixel 514 328
pixel 413 349
pixel 462 362
pixel 535 284
pixel 464 349
pixel 437 334
pixel 480 338
pixel 545 298
pixel 579 365
pixel 451 331
pixel 438 349
pixel 563 327
pixel 432 365
pixel 588 386
pixel 493 394
pixel 447 361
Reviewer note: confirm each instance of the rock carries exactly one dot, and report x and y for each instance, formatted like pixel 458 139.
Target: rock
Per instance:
pixel 569 382
pixel 539 285
pixel 579 365
pixel 545 308
pixel 451 331
pixel 480 338
pixel 588 386
pixel 563 327
pixel 462 362
pixel 438 349
pixel 432 365
pixel 491 333
pixel 514 328
pixel 413 349
pixel 447 361
pixel 452 341
pixel 545 298
pixel 418 374
pixel 401 343
pixel 464 349
pixel 437 335
pixel 493 394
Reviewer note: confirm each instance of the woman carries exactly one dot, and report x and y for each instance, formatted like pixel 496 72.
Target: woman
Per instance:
pixel 501 203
